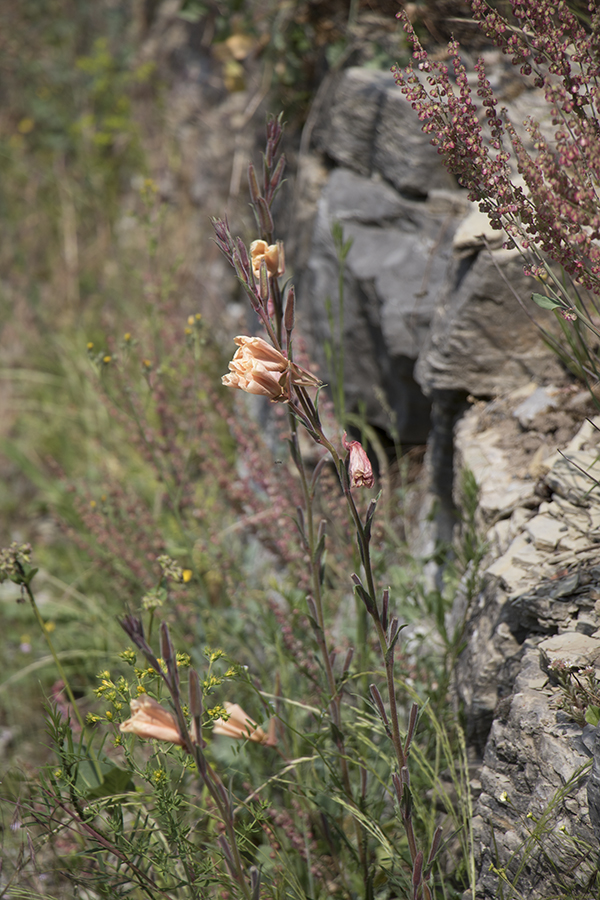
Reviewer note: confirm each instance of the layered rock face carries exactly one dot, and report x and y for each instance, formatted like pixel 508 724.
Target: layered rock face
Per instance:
pixel 434 331
pixel 417 286
pixel 537 816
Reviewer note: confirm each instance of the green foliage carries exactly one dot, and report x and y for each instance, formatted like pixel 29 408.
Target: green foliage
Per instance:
pixel 545 302
pixel 177 508
pixel 182 512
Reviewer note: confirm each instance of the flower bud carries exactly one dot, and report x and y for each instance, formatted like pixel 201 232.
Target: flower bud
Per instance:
pixel 253 183
pixel 360 471
pixel 290 303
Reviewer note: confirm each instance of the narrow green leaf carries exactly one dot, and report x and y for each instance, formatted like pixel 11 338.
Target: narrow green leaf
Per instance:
pixel 545 302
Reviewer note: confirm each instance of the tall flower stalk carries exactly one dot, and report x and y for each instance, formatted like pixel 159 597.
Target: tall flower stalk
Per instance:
pixel 274 374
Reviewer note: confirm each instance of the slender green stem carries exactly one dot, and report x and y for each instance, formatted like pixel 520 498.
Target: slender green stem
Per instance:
pixel 57 661
pixel 63 676
pixel 214 786
pixel 389 672
pixel 335 701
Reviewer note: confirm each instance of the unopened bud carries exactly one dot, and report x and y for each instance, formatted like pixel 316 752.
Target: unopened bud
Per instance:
pixel 385 608
pixel 264 217
pixel 253 184
pixel 412 722
pixel 417 872
pixel 378 700
pixel 435 845
pixel 290 304
pixel 263 282
pixel 393 630
pixel 167 651
pixel 243 257
pixel 277 175
pixel 255 882
pixel 227 855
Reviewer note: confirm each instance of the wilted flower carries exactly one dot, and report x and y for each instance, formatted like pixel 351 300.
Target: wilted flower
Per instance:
pixel 360 471
pixel 240 725
pixel 150 720
pixel 259 368
pixel 272 255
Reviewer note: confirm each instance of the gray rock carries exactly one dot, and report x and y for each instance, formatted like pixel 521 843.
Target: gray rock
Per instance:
pixel 402 153
pixel 475 232
pixel 541 400
pixel 393 275
pixel 368 126
pixel 533 786
pixel 481 339
pixel 347 126
pixel 576 477
pixel 593 788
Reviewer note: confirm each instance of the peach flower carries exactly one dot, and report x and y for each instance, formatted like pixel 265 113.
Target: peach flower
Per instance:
pixel 258 368
pixel 150 720
pixel 240 725
pixel 272 255
pixel 360 470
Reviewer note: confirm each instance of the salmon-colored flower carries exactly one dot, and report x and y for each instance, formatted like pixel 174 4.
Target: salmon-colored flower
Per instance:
pixel 272 255
pixel 360 470
pixel 240 725
pixel 258 368
pixel 151 721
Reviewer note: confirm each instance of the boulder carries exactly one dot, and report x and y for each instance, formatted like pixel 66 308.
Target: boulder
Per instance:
pixel 532 826
pixel 482 340
pixel 537 606
pixel 368 126
pixel 393 275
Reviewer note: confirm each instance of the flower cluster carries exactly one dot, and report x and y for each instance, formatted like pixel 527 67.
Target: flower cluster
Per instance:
pixel 13 559
pixel 557 214
pixel 151 721
pixel 259 368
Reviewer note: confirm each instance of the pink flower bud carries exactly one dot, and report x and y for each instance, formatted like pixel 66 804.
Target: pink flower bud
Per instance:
pixel 360 471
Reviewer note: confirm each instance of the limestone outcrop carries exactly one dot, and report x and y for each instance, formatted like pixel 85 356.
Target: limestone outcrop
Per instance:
pixel 430 297
pixel 435 331
pixel 537 817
